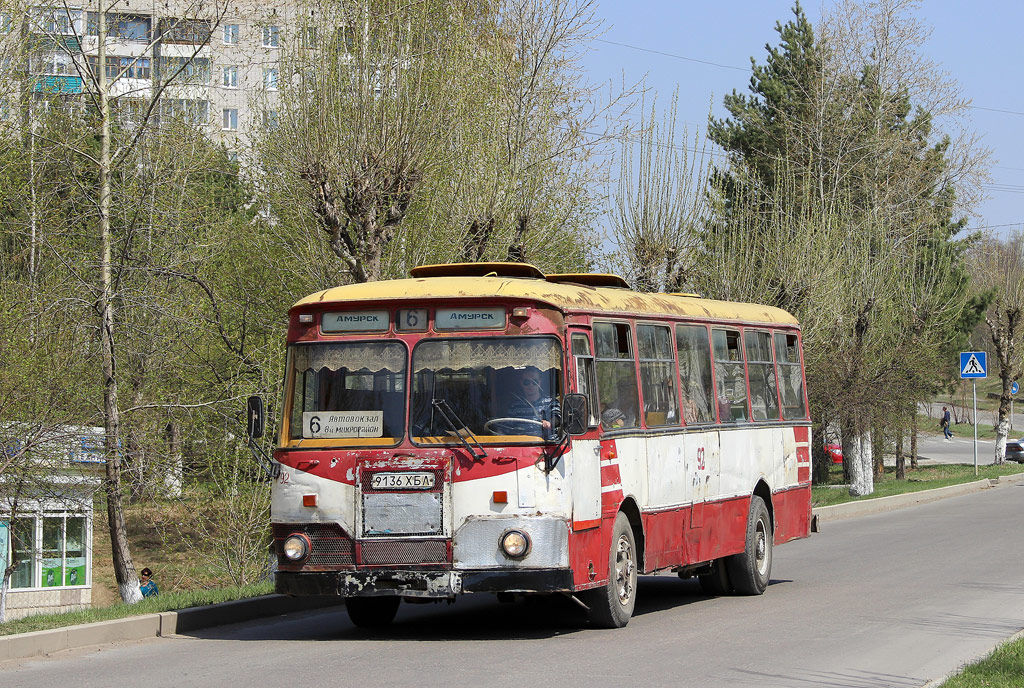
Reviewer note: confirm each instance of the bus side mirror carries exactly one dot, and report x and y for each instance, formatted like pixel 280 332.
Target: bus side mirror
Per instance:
pixel 574 413
pixel 255 420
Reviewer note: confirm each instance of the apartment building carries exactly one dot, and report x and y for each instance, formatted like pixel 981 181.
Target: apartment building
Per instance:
pixel 217 64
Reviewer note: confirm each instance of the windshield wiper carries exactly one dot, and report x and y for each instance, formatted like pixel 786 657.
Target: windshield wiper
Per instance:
pixel 449 415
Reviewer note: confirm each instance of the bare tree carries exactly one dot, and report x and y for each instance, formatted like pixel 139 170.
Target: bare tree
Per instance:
pixel 660 204
pixel 999 265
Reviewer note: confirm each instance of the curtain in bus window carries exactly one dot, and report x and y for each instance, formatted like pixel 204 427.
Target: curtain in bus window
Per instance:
pixel 764 399
pixel 364 382
pixel 791 381
pixel 495 386
pixel 657 377
pixel 695 374
pixel 732 385
pixel 616 376
pixel 23 544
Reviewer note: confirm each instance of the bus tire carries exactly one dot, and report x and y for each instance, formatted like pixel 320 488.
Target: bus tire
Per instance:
pixel 751 569
pixel 611 606
pixel 372 612
pixel 717 582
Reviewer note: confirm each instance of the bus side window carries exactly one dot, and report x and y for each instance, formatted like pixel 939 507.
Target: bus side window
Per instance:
pixel 695 374
pixel 586 381
pixel 787 355
pixel 730 379
pixel 764 395
pixel 616 375
pixel 657 379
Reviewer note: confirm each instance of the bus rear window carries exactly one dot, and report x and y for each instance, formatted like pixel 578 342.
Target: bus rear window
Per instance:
pixel 353 392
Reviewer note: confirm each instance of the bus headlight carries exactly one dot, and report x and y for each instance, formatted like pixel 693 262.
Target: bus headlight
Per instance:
pixel 515 543
pixel 297 547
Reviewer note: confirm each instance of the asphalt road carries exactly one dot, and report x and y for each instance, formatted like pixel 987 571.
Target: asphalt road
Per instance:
pixel 957 450
pixel 894 599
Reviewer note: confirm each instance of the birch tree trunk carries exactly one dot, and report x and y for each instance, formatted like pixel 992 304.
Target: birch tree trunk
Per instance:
pixel 124 568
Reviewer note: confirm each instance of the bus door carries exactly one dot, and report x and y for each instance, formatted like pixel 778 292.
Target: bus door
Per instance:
pixel 586 453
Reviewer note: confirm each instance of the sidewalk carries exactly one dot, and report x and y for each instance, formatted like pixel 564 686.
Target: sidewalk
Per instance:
pixel 163 624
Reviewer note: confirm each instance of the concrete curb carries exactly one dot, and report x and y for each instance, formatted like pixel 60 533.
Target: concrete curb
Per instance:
pixel 23 645
pixel 865 507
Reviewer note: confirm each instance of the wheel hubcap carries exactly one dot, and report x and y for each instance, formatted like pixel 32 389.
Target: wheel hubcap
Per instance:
pixel 625 570
pixel 761 549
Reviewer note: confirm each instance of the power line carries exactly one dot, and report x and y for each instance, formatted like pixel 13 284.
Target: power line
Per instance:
pixel 987 109
pixel 678 57
pixel 746 69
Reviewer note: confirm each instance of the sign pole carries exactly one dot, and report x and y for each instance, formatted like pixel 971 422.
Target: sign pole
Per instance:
pixel 975 385
pixel 974 365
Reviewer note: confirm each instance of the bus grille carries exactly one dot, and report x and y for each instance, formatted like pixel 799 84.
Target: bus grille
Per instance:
pixel 392 552
pixel 332 547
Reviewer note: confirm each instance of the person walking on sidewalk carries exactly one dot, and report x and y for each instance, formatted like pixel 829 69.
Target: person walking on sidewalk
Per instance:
pixel 945 424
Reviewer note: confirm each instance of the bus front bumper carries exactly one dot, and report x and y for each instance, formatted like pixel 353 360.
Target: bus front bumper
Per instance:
pixel 427 584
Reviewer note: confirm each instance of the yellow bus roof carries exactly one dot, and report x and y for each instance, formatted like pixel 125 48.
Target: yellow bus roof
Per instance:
pixel 567 297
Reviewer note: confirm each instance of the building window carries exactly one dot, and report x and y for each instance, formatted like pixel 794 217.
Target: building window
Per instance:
pixel 126 67
pixel 194 111
pixel 135 67
pixel 231 77
pixel 270 119
pixel 271 36
pixel 194 70
pixel 230 119
pixel 23 547
pixel 57 21
pixel 270 78
pixel 231 34
pixel 127 27
pixel 188 31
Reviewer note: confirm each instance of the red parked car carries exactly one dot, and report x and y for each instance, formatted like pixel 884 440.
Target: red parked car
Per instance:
pixel 835 451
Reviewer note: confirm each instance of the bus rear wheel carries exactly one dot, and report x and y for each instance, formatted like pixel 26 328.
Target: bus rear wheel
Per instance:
pixel 611 606
pixel 751 569
pixel 372 612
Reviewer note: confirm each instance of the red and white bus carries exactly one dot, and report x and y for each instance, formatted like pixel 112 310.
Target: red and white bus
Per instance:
pixel 487 428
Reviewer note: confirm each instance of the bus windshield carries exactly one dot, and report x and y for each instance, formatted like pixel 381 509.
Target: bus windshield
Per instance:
pixel 350 391
pixel 507 387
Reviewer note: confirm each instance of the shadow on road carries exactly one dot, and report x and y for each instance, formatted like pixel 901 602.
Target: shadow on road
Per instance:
pixel 472 617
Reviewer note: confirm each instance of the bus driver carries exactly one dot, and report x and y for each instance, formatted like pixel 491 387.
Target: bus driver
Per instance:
pixel 528 401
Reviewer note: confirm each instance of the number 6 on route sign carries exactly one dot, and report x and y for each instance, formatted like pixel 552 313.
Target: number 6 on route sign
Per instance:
pixel 973 364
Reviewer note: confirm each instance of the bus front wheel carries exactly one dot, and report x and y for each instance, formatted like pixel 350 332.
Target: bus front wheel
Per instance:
pixel 751 569
pixel 372 612
pixel 611 606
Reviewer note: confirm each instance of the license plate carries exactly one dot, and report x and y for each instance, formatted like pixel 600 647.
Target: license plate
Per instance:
pixel 402 481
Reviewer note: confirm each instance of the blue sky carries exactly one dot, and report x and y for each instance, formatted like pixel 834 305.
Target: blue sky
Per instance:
pixel 979 44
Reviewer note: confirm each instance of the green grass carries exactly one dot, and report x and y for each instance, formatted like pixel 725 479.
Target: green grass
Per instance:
pixel 161 603
pixel 1002 669
pixel 923 478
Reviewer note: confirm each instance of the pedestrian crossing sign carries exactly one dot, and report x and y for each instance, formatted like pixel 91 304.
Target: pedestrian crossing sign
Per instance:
pixel 973 364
